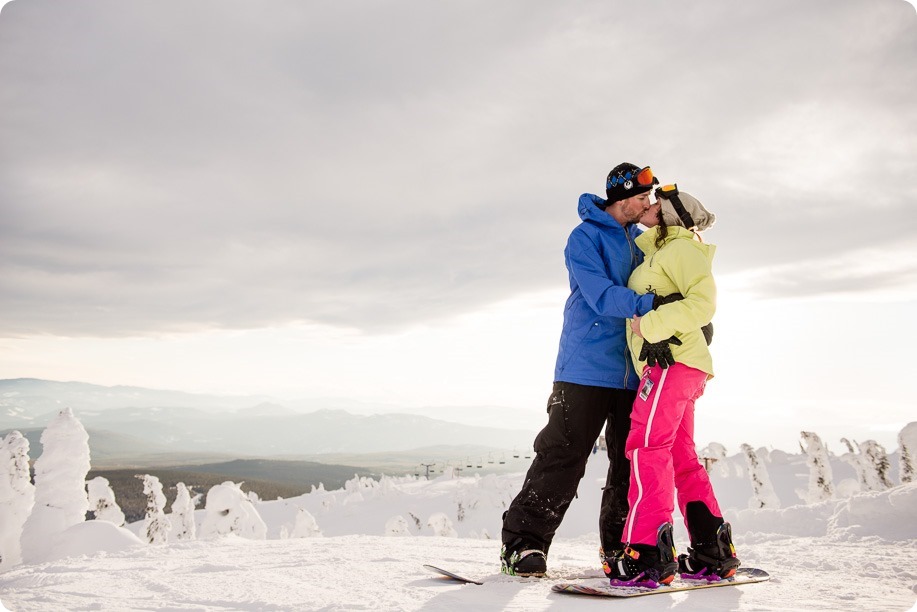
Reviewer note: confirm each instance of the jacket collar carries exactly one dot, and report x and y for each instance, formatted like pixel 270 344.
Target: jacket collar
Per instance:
pixel 592 208
pixel 647 240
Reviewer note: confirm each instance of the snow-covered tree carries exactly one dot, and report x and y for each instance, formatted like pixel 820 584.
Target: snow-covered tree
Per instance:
pixel 183 513
pixel 357 487
pixel 17 495
pixel 397 526
pixel 60 485
pixel 875 466
pixel 156 525
pixel 764 495
pixel 907 453
pixel 102 501
pixel 713 454
pixel 855 460
pixel 870 461
pixel 386 485
pixel 441 525
pixel 229 510
pixel 821 486
pixel 305 525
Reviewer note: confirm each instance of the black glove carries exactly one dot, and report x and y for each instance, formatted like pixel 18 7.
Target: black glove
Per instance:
pixel 708 332
pixel 659 300
pixel 653 352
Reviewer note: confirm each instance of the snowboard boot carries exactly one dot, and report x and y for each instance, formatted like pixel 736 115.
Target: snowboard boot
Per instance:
pixel 518 559
pixel 609 559
pixel 643 565
pixel 710 561
pixel 711 555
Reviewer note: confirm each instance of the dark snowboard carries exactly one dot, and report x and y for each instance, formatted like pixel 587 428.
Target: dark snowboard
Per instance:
pixel 449 574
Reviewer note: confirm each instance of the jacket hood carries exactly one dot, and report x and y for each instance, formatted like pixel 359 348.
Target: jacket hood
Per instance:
pixel 647 240
pixel 592 208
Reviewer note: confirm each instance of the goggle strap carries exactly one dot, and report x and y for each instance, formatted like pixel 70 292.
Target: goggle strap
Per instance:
pixel 681 212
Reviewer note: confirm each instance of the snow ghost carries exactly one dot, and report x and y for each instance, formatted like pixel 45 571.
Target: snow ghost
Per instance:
pixel 102 502
pixel 712 454
pixel 305 525
pixel 763 494
pixel 907 459
pixel 17 496
pixel 60 485
pixel 821 486
pixel 871 464
pixel 183 513
pixel 397 526
pixel 229 510
pixel 441 525
pixel 156 526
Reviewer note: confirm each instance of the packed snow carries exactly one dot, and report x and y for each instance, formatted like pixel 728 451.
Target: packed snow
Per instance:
pixel 835 532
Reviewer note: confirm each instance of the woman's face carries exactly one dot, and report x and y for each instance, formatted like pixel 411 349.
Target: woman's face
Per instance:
pixel 651 217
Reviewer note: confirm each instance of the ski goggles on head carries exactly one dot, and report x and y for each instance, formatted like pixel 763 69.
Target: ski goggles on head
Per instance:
pixel 666 191
pixel 670 193
pixel 643 178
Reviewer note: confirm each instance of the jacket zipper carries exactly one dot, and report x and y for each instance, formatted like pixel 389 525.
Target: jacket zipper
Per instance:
pixel 630 245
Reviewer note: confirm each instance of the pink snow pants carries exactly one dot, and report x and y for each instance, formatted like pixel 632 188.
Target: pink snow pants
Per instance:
pixel 660 447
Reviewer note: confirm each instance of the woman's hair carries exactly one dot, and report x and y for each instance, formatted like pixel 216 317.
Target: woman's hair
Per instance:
pixel 662 230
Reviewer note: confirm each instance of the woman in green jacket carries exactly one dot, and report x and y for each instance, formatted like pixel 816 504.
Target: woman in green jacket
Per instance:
pixel 661 440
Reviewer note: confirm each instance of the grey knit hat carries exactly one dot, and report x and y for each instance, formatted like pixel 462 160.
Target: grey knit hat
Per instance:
pixel 703 218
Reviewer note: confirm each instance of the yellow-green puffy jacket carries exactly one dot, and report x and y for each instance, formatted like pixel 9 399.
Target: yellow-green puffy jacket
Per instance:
pixel 682 265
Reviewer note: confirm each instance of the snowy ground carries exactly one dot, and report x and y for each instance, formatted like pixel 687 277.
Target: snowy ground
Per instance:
pixel 858 553
pixel 378 573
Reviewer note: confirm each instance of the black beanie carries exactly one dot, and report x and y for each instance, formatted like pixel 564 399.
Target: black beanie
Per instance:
pixel 622 183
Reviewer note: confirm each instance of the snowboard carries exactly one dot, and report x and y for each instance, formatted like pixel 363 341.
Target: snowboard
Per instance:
pixel 452 575
pixel 743 575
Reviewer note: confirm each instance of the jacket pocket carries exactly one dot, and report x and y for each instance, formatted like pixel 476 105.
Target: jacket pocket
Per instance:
pixel 571 347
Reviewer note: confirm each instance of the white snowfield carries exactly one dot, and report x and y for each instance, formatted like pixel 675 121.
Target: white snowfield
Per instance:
pixel 362 548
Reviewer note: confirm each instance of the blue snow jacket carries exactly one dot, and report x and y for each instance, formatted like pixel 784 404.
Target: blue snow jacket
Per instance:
pixel 600 256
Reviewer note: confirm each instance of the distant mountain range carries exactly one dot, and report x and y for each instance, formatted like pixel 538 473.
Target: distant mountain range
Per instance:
pixel 126 422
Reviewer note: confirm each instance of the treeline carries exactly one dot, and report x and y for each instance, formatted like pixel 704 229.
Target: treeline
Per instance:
pixel 292 473
pixel 129 494
pixel 128 488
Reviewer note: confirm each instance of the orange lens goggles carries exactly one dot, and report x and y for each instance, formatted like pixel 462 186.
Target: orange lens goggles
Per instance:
pixel 645 177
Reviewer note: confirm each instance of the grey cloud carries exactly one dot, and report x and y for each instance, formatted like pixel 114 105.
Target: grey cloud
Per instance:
pixel 860 271
pixel 809 283
pixel 166 165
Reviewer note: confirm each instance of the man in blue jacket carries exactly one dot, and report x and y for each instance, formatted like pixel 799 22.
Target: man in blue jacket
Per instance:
pixel 594 381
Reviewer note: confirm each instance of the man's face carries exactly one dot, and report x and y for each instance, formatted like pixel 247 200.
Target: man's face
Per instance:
pixel 651 217
pixel 633 208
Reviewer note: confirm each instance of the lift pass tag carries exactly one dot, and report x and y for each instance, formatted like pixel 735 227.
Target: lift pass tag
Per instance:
pixel 647 388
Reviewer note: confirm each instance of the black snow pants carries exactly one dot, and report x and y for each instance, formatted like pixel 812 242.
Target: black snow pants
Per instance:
pixel 576 414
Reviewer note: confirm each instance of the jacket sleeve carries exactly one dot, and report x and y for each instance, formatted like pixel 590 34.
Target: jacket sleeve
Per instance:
pixel 603 294
pixel 690 271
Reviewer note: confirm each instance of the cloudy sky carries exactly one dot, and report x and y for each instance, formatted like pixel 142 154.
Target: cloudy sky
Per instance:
pixel 368 201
